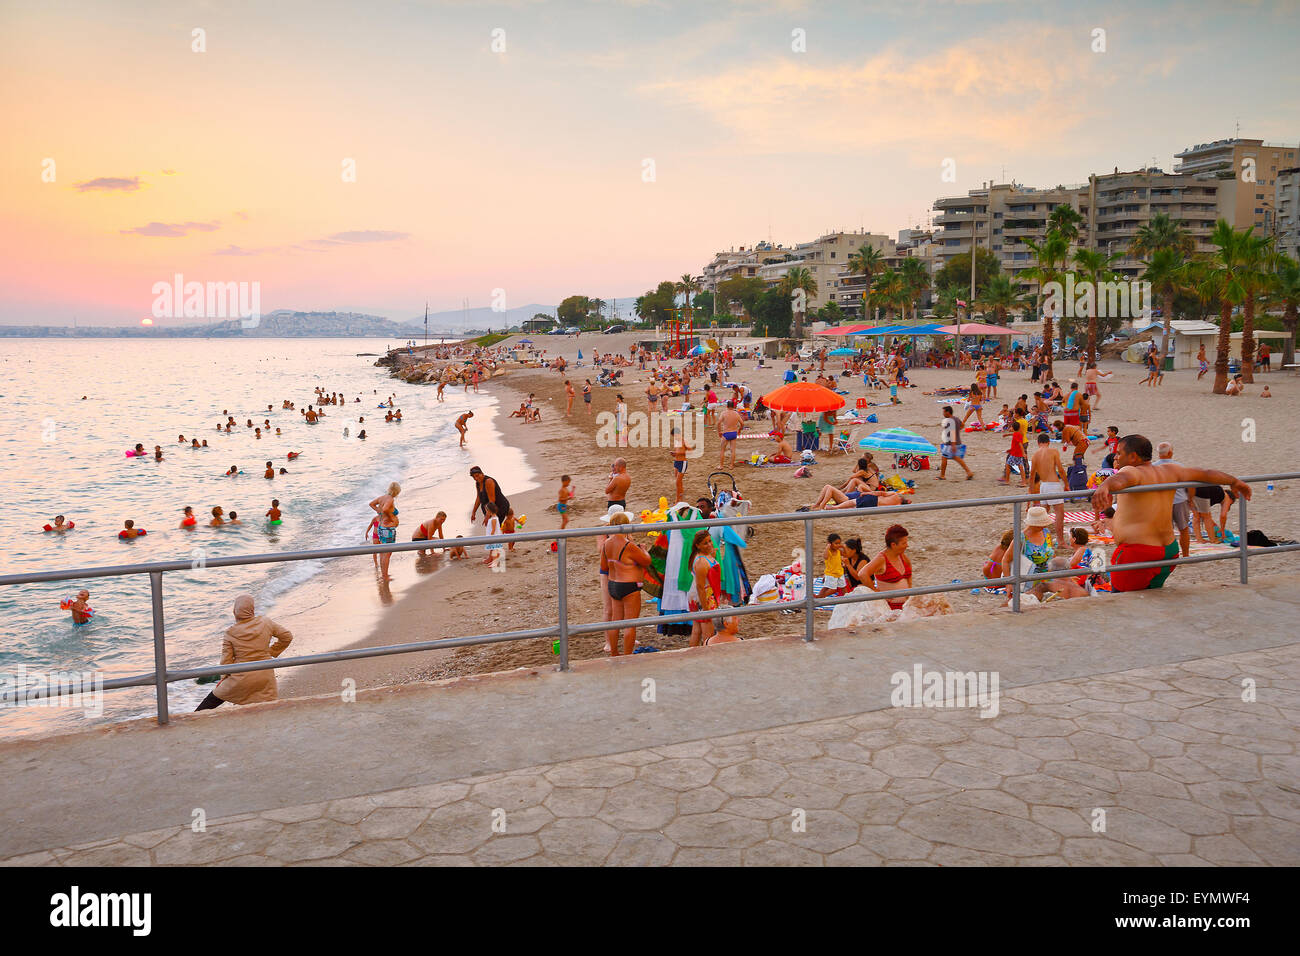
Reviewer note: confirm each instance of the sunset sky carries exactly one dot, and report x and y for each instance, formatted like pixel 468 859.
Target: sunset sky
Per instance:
pixel 523 169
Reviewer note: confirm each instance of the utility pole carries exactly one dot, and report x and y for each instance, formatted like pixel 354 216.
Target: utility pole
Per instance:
pixel 426 322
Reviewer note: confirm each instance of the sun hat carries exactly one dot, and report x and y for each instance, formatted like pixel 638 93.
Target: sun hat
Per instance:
pixel 613 510
pixel 1037 517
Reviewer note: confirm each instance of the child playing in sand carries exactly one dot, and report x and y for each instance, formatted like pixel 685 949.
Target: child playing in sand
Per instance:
pixel 1112 437
pixel 833 580
pixel 563 499
pixel 458 552
pixel 1265 393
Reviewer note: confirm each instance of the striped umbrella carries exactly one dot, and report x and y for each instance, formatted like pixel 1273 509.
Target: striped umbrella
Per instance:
pixel 900 441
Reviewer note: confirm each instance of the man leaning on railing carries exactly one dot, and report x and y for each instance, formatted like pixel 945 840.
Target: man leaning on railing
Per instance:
pixel 1143 525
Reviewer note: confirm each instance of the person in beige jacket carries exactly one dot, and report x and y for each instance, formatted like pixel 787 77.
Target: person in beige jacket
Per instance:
pixel 250 639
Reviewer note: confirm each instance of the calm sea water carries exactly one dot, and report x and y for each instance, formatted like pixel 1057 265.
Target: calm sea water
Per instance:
pixel 60 454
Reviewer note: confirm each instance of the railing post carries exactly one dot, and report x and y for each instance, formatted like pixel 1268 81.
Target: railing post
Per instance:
pixel 810 592
pixel 563 595
pixel 1242 532
pixel 1017 544
pixel 159 646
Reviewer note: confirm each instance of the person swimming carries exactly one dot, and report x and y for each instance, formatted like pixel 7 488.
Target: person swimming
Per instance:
pixel 130 532
pixel 217 519
pixel 273 516
pixel 82 612
pixel 234 470
pixel 59 525
pixel 270 471
pixel 189 521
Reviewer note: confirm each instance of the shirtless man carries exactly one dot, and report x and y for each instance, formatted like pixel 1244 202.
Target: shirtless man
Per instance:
pixel 619 482
pixel 729 423
pixel 461 425
pixel 1075 436
pixel 1047 476
pixel 1143 524
pixel 1092 385
pixel 569 393
pixel 431 528
pixel 1202 362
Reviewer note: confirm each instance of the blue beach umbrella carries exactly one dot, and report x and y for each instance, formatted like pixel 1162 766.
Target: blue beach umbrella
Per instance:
pixel 900 441
pixel 844 351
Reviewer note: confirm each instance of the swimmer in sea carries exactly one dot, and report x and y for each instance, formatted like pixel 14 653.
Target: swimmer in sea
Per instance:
pixel 80 609
pixel 130 531
pixel 462 425
pixel 139 450
pixel 60 525
pixel 205 443
pixel 234 518
pixel 157 453
pixel 194 443
pixel 189 521
pixel 234 470
pixel 292 455
pixel 273 516
pixel 257 433
pixel 361 434
pixel 284 471
pixel 180 439
pixel 270 471
pixel 217 521
pixel 277 433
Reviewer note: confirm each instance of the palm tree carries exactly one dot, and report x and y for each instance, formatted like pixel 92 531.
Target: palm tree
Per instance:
pixel 1257 251
pixel 1285 290
pixel 867 261
pixel 885 293
pixel 945 305
pixel 1225 280
pixel 1161 232
pixel 688 285
pixel 598 305
pixel 1065 221
pixel 1168 274
pixel 1096 265
pixel 796 280
pixel 1001 295
pixel 1050 255
pixel 915 280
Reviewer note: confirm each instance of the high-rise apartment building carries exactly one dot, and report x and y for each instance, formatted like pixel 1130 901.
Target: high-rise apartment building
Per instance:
pixel 1247 171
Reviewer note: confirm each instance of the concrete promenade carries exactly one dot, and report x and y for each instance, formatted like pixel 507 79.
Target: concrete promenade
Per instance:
pixel 1144 729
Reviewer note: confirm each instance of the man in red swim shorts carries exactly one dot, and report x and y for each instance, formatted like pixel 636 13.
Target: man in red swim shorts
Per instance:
pixel 1143 524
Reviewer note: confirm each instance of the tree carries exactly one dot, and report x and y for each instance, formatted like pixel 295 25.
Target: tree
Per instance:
pixel 687 286
pixel 867 261
pixel 772 314
pixel 915 281
pixel 1049 257
pixel 574 310
pixel 1257 251
pixel 1161 232
pixel 704 304
pixel 887 293
pixel 831 314
pixel 1001 295
pixel 742 289
pixel 800 285
pixel 955 273
pixel 1285 290
pixel 1096 265
pixel 945 304
pixel 1065 221
pixel 1167 272
pixel 1225 279
pixel 598 307
pixel 657 306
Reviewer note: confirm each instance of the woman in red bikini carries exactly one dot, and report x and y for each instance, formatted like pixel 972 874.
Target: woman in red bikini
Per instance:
pixel 890 569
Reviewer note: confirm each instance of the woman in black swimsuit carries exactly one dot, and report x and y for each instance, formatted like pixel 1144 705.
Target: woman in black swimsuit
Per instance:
pixel 625 562
pixel 855 563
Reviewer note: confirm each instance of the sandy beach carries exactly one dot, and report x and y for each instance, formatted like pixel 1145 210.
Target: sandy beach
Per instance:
pixel 1244 436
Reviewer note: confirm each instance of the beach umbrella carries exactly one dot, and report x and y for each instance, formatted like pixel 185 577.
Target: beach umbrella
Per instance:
pixel 525 341
pixel 579 355
pixel 844 351
pixel 803 397
pixel 700 350
pixel 900 441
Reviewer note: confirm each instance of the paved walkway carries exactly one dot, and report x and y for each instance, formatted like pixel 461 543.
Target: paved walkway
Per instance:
pixel 1185 761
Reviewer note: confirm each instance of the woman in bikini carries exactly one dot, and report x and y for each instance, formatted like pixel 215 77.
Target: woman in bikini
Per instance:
pixel 993 566
pixel 624 562
pixel 706 585
pixel 385 506
pixel 890 568
pixel 974 402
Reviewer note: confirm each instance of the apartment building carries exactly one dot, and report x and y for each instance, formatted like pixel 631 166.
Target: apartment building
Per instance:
pixel 1247 172
pixel 1121 203
pixel 1286 199
pixel 824 257
pixel 1001 216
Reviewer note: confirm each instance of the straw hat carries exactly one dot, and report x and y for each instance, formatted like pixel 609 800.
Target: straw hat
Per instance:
pixel 1037 517
pixel 613 510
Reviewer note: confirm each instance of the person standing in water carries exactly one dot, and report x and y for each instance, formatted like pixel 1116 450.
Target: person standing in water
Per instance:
pixel 385 506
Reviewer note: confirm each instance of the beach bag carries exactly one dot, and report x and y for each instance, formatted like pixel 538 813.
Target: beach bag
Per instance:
pixel 1076 477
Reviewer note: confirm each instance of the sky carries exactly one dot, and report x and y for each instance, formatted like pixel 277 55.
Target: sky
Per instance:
pixel 374 156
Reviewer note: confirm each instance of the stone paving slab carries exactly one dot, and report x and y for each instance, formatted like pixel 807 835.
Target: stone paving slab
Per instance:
pixel 1176 764
pixel 134 776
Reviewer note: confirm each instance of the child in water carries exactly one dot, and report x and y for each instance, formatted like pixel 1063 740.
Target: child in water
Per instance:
pixel 273 516
pixel 81 611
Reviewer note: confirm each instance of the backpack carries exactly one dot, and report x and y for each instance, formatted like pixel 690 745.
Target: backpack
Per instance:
pixel 1076 478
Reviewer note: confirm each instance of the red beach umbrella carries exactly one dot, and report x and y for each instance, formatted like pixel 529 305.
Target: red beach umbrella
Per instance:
pixel 803 397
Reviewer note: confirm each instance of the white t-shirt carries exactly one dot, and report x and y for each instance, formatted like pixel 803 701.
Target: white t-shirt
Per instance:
pixel 949 434
pixel 1180 496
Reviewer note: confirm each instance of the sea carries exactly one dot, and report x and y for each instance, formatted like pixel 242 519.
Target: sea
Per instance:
pixel 71 409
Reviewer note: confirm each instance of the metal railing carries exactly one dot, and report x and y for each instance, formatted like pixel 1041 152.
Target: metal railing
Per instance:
pixel 564 630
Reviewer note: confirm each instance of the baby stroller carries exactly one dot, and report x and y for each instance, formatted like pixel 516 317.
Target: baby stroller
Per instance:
pixel 727 502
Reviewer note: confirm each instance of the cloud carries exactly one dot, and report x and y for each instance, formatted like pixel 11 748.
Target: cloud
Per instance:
pixel 236 251
pixel 169 172
pixel 367 235
pixel 110 184
pixel 240 214
pixel 968 98
pixel 171 230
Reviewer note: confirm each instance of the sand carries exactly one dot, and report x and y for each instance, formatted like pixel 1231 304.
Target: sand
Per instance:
pixel 1244 436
